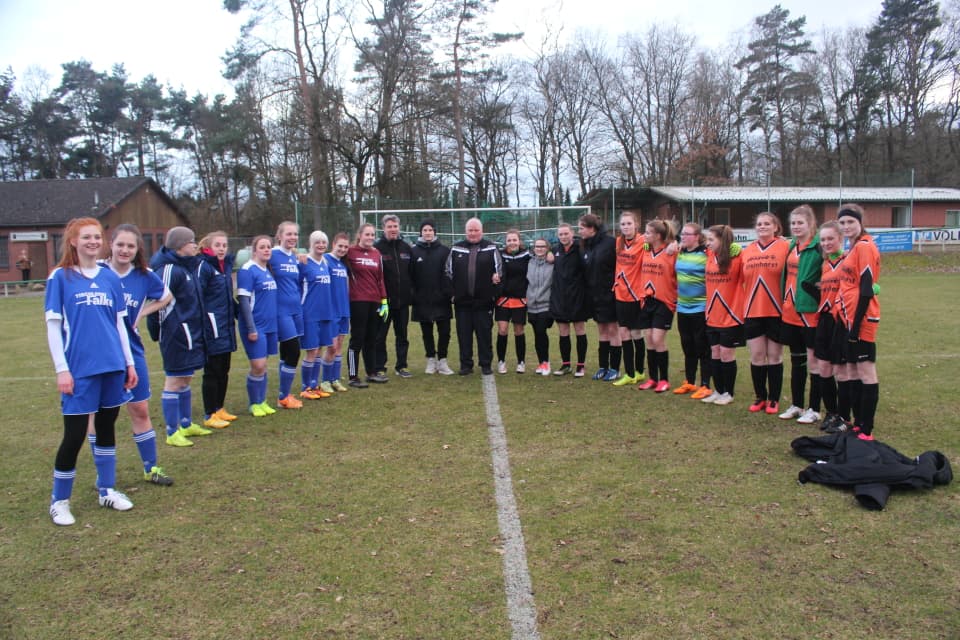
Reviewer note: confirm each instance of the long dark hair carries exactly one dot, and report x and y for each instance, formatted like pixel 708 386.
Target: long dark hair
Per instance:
pixel 140 260
pixel 725 234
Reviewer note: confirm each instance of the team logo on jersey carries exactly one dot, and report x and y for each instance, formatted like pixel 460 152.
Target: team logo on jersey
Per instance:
pixel 93 298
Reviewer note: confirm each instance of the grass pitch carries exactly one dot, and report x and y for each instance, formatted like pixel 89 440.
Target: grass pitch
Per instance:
pixel 372 514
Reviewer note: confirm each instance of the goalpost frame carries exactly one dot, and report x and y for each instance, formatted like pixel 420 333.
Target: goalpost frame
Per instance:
pixel 533 222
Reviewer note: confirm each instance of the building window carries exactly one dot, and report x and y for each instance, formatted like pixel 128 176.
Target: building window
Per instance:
pixel 4 252
pixel 57 245
pixel 952 219
pixel 901 217
pixel 721 216
pixel 147 246
pixel 160 239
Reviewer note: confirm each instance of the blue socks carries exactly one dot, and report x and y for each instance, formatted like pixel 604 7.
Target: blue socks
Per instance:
pixel 170 404
pixel 62 484
pixel 287 375
pixel 307 379
pixel 186 411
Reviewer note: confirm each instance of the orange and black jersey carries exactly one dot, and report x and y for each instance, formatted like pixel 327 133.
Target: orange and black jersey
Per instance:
pixel 863 260
pixel 829 286
pixel 659 276
pixel 724 292
pixel 628 280
pixel 762 270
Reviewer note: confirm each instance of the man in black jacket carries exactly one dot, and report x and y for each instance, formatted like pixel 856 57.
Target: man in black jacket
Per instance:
pixel 396 255
pixel 474 268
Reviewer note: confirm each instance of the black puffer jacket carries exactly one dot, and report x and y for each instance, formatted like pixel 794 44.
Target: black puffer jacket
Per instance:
pixel 431 288
pixel 567 294
pixel 599 265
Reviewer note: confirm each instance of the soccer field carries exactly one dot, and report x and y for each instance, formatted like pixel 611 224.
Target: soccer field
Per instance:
pixel 374 513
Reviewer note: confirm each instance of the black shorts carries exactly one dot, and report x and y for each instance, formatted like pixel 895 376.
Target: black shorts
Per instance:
pixel 823 347
pixel 768 327
pixel 540 321
pixel 605 312
pixel 517 315
pixel 727 337
pixel 797 337
pixel 628 314
pixel 861 351
pixel 838 344
pixel 655 315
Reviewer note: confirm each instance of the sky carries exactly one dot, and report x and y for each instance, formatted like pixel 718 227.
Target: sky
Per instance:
pixel 181 42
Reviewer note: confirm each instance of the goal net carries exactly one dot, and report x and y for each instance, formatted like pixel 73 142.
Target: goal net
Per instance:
pixel 532 222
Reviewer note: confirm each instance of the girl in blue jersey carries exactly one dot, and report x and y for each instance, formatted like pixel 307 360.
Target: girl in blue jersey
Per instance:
pixel 84 311
pixel 215 276
pixel 285 265
pixel 257 297
pixel 144 294
pixel 332 361
pixel 318 329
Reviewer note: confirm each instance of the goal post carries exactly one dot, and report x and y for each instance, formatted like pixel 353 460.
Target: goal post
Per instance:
pixel 532 222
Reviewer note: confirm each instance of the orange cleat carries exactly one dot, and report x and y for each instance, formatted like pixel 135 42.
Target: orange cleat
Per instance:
pixel 686 387
pixel 701 393
pixel 290 402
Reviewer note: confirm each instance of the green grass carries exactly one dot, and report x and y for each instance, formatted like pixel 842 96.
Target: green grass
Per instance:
pixel 372 515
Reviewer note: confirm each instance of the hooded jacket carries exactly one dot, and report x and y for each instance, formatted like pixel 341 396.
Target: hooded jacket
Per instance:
pixel 219 307
pixel 808 272
pixel 539 280
pixel 431 288
pixel 515 274
pixel 181 323
pixel 599 265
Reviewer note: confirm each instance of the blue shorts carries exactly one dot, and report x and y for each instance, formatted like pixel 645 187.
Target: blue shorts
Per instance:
pixel 141 392
pixel 289 326
pixel 316 334
pixel 266 345
pixel 342 326
pixel 91 393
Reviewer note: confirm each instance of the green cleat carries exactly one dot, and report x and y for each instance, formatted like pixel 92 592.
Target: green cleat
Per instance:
pixel 178 439
pixel 338 386
pixel 267 409
pixel 195 430
pixel 257 411
pixel 326 387
pixel 157 476
pixel 625 379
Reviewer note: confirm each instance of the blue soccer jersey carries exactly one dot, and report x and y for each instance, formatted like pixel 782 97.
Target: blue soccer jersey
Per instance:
pixel 139 287
pixel 88 309
pixel 257 282
pixel 317 291
pixel 340 292
pixel 286 271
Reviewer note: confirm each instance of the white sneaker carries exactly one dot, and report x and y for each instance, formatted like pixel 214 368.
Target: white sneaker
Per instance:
pixel 725 398
pixel 809 417
pixel 60 512
pixel 521 367
pixel 116 500
pixel 545 368
pixel 501 367
pixel 792 412
pixel 710 399
pixel 431 366
pixel 443 368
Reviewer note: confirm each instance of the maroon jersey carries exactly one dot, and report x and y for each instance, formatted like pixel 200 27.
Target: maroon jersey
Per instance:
pixel 366 274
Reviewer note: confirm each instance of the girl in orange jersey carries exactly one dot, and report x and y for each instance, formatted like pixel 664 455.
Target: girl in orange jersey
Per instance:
pixel 660 301
pixel 800 314
pixel 724 273
pixel 628 291
pixel 859 313
pixel 831 357
pixel 763 262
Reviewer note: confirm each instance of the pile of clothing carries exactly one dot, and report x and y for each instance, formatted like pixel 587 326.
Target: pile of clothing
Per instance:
pixel 872 468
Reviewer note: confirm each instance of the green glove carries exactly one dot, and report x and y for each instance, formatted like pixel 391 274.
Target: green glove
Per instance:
pixel 734 249
pixel 876 289
pixel 384 309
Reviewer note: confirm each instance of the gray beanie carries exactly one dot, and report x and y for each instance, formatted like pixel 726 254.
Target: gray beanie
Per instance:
pixel 177 237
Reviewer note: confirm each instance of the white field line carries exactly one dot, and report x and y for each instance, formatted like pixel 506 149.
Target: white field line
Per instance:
pixel 520 606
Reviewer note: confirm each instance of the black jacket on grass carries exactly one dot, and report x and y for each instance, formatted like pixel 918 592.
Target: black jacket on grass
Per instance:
pixel 871 468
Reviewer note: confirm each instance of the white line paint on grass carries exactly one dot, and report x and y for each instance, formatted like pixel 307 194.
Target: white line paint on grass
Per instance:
pixel 516 576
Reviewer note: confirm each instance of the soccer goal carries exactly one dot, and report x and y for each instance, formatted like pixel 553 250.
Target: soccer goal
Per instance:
pixel 532 222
